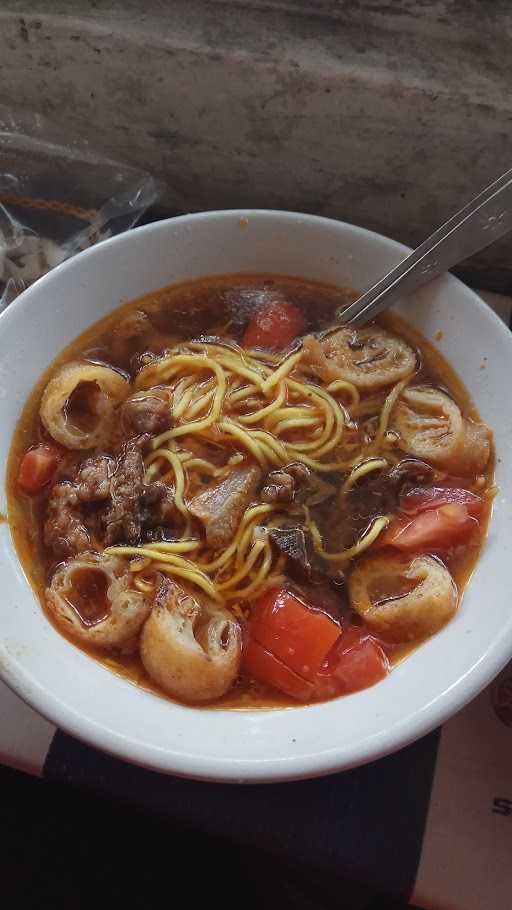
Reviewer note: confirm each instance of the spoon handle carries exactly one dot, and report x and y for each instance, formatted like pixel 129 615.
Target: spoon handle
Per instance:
pixel 486 218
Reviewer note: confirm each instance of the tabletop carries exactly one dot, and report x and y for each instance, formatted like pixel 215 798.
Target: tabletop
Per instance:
pixel 431 823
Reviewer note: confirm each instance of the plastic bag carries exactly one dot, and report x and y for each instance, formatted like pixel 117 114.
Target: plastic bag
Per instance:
pixel 58 196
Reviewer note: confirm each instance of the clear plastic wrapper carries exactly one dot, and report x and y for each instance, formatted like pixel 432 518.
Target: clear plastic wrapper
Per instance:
pixel 58 196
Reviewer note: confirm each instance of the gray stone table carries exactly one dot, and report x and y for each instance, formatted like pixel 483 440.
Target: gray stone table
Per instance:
pixel 390 115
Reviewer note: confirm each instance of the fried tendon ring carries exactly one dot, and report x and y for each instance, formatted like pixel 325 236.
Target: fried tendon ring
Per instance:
pixel 368 358
pixel 105 388
pixel 190 646
pixel 431 426
pixel 419 612
pixel 106 582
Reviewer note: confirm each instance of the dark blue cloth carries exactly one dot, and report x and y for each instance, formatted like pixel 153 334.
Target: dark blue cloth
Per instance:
pixel 365 825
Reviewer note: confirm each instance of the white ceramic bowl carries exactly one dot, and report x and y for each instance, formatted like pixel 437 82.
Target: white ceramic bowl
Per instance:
pixel 88 701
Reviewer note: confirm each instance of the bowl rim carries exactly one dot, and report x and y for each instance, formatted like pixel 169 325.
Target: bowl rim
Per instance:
pixel 248 770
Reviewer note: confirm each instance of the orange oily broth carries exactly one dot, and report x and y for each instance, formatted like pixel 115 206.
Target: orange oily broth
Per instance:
pixel 197 301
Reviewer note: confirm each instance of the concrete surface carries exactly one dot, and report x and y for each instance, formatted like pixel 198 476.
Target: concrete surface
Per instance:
pixel 391 115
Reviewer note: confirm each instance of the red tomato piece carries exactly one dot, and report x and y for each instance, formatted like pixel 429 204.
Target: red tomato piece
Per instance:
pixel 295 633
pixel 274 326
pixel 37 468
pixel 265 667
pixel 435 529
pixel 303 652
pixel 421 499
pixel 357 661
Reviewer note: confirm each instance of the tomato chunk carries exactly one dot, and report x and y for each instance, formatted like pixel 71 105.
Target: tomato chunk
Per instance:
pixel 357 661
pixel 435 529
pixel 37 468
pixel 421 499
pixel 295 633
pixel 304 653
pixel 274 326
pixel 264 666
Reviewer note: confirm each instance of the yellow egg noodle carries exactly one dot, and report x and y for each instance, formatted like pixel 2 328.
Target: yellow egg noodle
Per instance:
pixel 273 410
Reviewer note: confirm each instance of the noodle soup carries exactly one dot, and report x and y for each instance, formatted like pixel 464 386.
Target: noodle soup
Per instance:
pixel 229 508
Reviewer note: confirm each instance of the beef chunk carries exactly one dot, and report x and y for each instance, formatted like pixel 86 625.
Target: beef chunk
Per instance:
pixel 222 503
pixel 64 531
pixel 145 414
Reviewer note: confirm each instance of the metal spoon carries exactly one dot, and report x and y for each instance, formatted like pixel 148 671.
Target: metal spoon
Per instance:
pixel 484 219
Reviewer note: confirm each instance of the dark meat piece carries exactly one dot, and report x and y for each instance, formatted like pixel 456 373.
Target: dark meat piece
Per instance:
pixel 411 470
pixel 329 597
pixel 221 505
pixel 160 514
pixel 64 531
pixel 282 485
pixel 93 479
pixel 156 534
pixel 166 503
pixel 155 505
pixel 126 487
pixel 296 545
pixel 145 414
pixel 131 500
pixel 377 494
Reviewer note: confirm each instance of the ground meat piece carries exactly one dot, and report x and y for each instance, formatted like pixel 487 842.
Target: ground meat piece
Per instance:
pixel 145 414
pixel 107 502
pixel 134 505
pixel 221 504
pixel 64 531
pixel 123 519
pixel 93 479
pixel 282 485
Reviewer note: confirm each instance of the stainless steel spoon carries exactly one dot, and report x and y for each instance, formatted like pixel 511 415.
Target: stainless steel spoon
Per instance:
pixel 484 219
